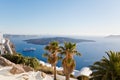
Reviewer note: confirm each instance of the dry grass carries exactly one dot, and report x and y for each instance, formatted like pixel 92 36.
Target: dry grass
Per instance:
pixel 49 70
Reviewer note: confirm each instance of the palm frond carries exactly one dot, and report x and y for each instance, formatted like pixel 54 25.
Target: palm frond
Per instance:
pixel 60 57
pixel 108 68
pixel 46 55
pixel 78 53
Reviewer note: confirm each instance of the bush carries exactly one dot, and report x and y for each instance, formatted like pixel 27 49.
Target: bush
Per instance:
pixel 19 59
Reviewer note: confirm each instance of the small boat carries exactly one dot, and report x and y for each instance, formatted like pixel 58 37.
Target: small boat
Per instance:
pixel 29 49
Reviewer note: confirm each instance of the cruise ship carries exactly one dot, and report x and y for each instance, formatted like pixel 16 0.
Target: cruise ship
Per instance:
pixel 29 49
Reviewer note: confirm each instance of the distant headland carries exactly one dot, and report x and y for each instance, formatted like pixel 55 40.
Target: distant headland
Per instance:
pixel 16 36
pixel 113 36
pixel 45 41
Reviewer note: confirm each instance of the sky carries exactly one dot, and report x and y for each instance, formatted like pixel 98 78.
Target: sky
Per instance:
pixel 60 17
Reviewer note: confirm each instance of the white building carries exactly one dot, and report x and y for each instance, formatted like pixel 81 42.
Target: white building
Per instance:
pixel 4 44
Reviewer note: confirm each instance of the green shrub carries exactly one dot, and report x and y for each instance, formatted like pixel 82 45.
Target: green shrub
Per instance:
pixel 19 59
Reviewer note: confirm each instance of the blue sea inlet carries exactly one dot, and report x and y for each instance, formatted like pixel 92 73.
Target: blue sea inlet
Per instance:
pixel 91 51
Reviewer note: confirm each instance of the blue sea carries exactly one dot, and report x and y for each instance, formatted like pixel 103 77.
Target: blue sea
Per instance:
pixel 91 51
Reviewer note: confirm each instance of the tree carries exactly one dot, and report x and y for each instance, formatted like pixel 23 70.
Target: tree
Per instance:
pixel 52 55
pixel 68 63
pixel 107 68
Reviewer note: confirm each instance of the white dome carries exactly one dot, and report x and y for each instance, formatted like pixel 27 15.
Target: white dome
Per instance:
pixel 2 41
pixel 85 71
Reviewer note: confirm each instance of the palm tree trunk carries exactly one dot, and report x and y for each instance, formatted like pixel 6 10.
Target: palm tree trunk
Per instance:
pixel 84 78
pixel 55 72
pixel 113 78
pixel 67 76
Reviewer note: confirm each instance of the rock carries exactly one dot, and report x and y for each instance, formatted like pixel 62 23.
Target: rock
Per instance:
pixel 40 75
pixel 17 69
pixel 5 62
pixel 43 74
pixel 25 77
pixel 27 68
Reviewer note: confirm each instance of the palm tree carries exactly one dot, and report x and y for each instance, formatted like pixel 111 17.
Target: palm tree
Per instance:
pixel 107 68
pixel 52 55
pixel 68 63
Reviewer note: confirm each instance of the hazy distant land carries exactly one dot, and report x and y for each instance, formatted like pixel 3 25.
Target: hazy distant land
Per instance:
pixel 45 41
pixel 113 36
pixel 16 36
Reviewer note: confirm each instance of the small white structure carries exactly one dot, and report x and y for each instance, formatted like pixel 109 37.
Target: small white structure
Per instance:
pixel 85 71
pixel 4 44
pixel 2 41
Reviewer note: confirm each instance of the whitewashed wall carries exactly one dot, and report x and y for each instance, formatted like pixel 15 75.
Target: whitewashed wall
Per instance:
pixel 1 37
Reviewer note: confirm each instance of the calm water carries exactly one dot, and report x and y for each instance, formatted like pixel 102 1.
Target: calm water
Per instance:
pixel 91 51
